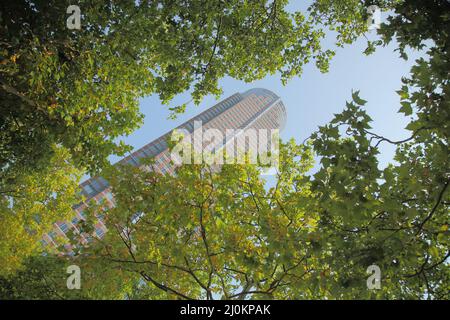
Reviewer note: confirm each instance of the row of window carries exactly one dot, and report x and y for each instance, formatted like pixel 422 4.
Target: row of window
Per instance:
pixel 99 232
pixel 213 112
pixel 236 117
pixel 255 115
pixel 94 186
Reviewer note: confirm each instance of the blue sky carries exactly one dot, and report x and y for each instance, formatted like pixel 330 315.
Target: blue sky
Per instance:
pixel 312 99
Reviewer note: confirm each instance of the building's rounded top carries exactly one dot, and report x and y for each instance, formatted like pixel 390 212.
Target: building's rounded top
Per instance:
pixel 261 91
pixel 275 102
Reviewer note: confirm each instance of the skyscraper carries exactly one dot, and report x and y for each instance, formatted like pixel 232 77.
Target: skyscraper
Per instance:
pixel 254 109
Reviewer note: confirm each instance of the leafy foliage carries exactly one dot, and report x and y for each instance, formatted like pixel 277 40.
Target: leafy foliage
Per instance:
pixel 205 234
pixel 41 278
pixel 208 233
pixel 396 218
pixel 80 88
pixel 30 207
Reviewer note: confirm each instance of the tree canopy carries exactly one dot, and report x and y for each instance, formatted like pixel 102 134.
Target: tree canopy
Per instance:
pixel 80 88
pixel 205 234
pixel 209 234
pixel 77 91
pixel 30 207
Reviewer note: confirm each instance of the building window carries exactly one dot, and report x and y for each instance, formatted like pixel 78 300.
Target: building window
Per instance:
pixel 52 235
pixel 103 181
pixel 158 146
pixel 135 218
pixel 96 185
pixel 88 189
pixel 99 232
pixel 133 162
pixel 63 227
pixel 190 127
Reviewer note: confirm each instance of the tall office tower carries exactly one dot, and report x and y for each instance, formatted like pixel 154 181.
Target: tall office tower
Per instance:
pixel 253 109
